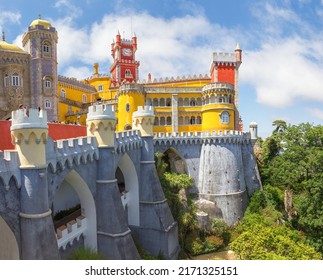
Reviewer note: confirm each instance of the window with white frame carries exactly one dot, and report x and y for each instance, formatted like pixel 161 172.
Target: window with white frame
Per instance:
pixel 48 83
pixel 225 117
pixel 127 107
pixel 6 80
pixel 100 87
pixel 15 80
pixel 84 99
pixel 63 93
pixel 47 104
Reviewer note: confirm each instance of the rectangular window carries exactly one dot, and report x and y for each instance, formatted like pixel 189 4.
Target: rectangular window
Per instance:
pixel 100 87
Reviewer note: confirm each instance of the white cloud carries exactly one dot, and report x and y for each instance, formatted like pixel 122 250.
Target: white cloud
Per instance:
pixel 318 113
pixel 9 17
pixel 179 46
pixel 79 73
pixel 282 72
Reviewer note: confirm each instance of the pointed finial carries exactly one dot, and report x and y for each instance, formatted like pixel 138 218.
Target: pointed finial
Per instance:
pixel 3 37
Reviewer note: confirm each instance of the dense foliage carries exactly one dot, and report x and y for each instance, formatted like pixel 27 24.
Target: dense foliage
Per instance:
pixel 293 159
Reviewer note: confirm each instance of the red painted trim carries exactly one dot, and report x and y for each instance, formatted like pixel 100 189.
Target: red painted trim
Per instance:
pixel 55 130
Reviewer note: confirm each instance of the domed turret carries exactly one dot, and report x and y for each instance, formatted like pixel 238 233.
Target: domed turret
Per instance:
pixel 4 46
pixel 45 23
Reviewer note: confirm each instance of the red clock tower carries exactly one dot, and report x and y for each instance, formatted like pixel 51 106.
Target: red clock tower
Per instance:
pixel 124 67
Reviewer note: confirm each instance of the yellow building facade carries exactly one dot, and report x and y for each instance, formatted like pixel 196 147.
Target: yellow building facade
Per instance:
pixel 181 104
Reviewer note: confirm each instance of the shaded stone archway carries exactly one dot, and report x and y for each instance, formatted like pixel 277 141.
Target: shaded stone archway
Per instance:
pixel 74 186
pixel 127 177
pixel 8 244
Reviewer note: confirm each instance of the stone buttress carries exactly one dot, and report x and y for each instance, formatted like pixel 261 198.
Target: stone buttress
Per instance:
pixel 114 236
pixel 157 232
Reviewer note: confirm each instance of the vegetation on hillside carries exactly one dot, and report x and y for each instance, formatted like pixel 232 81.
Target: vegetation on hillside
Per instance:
pixel 282 221
pixel 290 161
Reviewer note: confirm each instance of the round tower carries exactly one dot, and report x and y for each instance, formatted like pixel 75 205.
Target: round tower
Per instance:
pixel 29 132
pixel 253 128
pixel 40 41
pixel 218 110
pixel 100 122
pixel 143 119
pixel 130 97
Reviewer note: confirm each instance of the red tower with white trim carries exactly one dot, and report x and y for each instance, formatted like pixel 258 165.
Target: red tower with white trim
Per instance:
pixel 124 67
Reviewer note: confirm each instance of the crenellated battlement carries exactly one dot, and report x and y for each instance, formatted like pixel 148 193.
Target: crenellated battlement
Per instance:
pixel 216 87
pixel 144 111
pixel 101 112
pixel 177 79
pixel 32 118
pixel 220 136
pixel 128 140
pixel 224 57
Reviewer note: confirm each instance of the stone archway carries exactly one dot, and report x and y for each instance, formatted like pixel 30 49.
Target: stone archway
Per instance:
pixel 129 179
pixel 78 191
pixel 8 244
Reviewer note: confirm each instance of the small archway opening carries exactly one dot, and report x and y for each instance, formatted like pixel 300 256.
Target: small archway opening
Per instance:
pixel 128 184
pixel 74 209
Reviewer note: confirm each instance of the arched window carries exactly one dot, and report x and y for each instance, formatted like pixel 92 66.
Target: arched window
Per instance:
pixel 162 102
pixel 162 121
pixel 186 102
pixel 169 120
pixel 221 99
pixel 47 104
pixel 46 48
pixel 15 80
pixel 155 102
pixel 6 80
pixel 180 102
pixel 207 100
pixel 168 102
pixel 192 120
pixel 84 98
pixel 128 74
pixel 212 99
pixel 48 83
pixel 63 93
pixel 127 107
pixel 198 120
pixel 156 122
pixel 225 117
pixel 192 102
pixel 180 121
pixel 186 120
pixel 198 102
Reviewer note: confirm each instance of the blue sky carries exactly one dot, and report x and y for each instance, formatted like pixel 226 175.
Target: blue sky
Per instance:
pixel 282 72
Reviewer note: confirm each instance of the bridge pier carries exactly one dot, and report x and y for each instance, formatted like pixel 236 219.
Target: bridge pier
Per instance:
pixel 38 239
pixel 29 132
pixel 114 236
pixel 158 232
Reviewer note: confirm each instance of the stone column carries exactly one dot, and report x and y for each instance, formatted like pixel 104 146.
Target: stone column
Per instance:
pixel 29 133
pixel 114 235
pixel 175 112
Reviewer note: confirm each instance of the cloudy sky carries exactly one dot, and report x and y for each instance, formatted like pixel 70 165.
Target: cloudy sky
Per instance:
pixel 282 72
